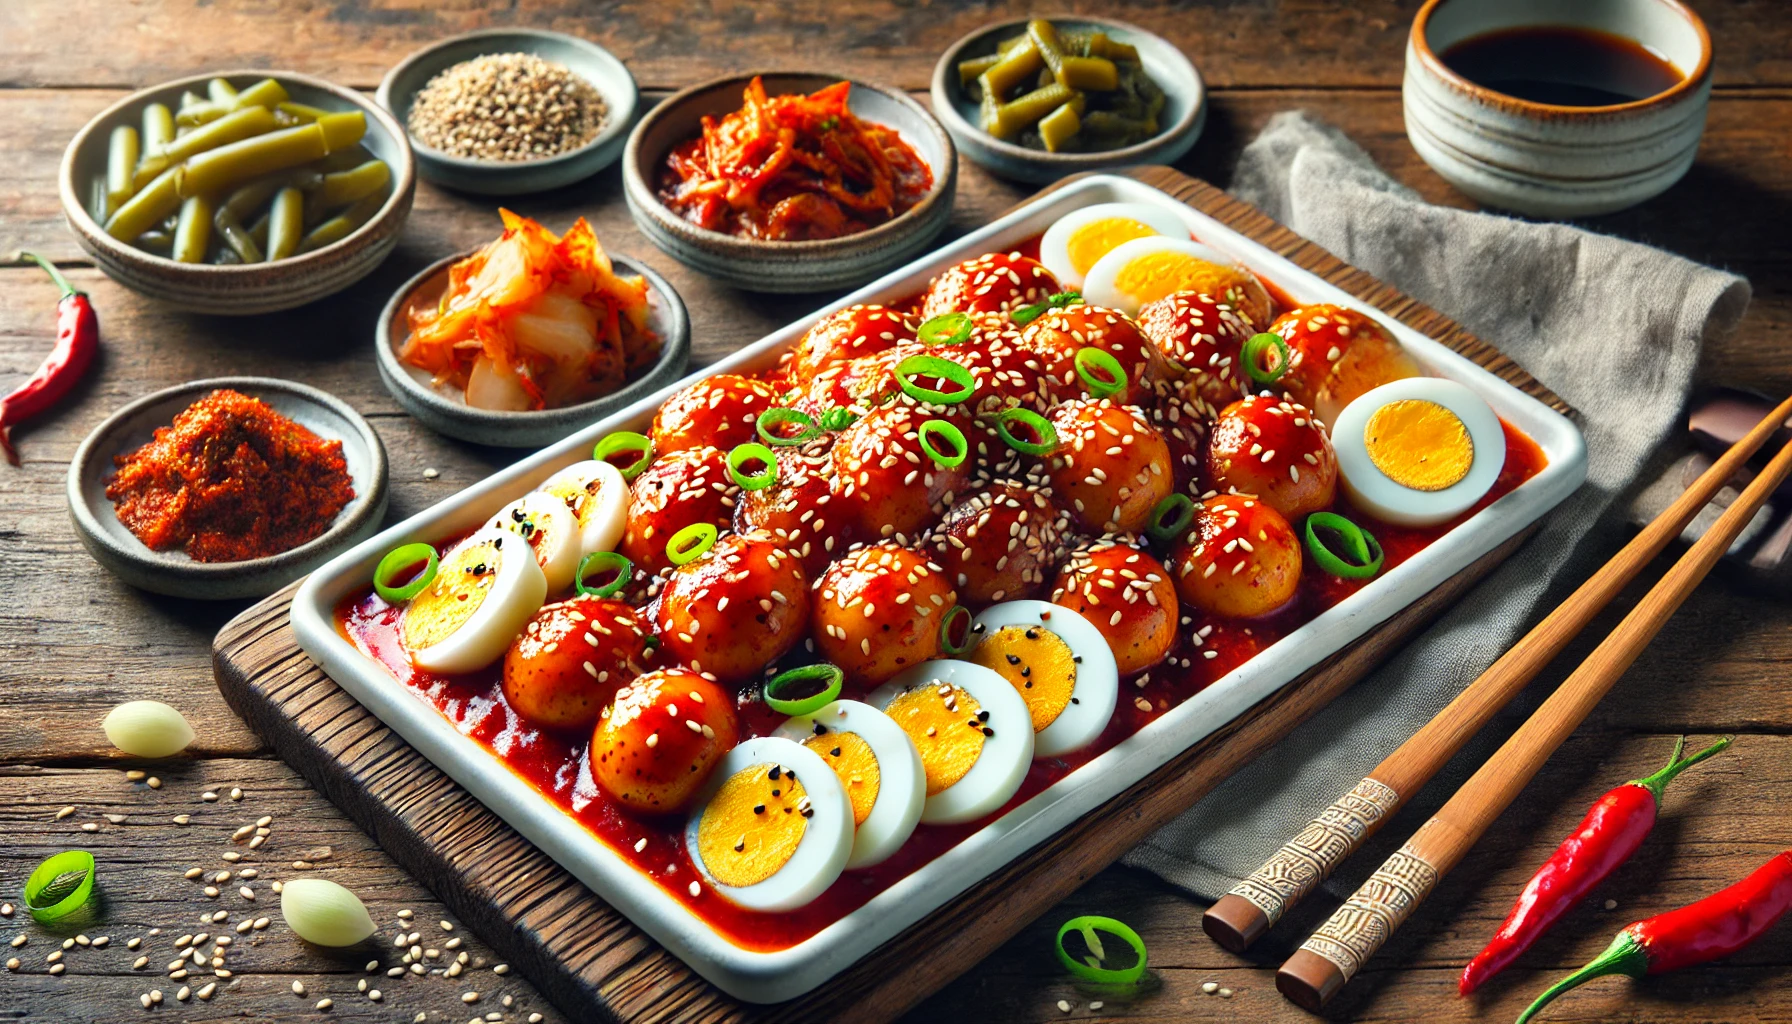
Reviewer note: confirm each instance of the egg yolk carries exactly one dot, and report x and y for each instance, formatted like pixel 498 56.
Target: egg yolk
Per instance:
pixel 1037 663
pixel 1151 276
pixel 580 499
pixel 947 726
pixel 854 761
pixel 1089 243
pixel 530 526
pixel 460 586
pixel 752 826
pixel 1419 444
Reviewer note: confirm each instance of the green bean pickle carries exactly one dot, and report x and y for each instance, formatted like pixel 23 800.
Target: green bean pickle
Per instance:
pixel 193 232
pixel 1026 89
pixel 286 223
pixel 121 163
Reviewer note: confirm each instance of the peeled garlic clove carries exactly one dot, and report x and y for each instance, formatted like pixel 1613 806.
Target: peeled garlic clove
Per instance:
pixel 324 913
pixel 148 728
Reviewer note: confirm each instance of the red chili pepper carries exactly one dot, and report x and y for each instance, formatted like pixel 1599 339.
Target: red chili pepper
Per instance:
pixel 77 342
pixel 1607 836
pixel 1711 929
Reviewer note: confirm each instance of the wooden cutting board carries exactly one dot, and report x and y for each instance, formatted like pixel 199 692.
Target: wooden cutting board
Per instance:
pixel 592 962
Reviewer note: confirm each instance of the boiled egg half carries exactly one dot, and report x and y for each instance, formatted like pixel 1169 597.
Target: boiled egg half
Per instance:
pixel 483 593
pixel 878 765
pixel 1080 238
pixel 1059 664
pixel 598 497
pixel 973 733
pixel 1147 269
pixel 773 828
pixel 1418 451
pixel 550 529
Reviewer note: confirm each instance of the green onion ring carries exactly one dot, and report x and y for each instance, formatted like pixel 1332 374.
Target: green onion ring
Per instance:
pixel 934 366
pixel 1027 314
pixel 398 559
pixel 838 418
pixel 60 885
pixel 1170 517
pixel 1089 925
pixel 599 561
pixel 1048 437
pixel 691 543
pixel 751 452
pixel 1362 557
pixel 1102 374
pixel 784 414
pixel 949 431
pixel 830 676
pixel 621 441
pixel 1252 357
pixel 947 624
pixel 945 329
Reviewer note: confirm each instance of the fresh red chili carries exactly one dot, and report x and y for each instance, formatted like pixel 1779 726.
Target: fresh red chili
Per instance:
pixel 1612 830
pixel 77 341
pixel 1711 929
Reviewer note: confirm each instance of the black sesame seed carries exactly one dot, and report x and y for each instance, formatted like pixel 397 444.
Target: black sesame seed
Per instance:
pixel 808 812
pixel 835 752
pixel 982 716
pixel 1077 660
pixel 758 808
pixel 1073 700
pixel 987 731
pixel 820 730
pixel 777 792
pixel 1013 659
pixel 1033 634
pixel 774 773
pixel 1025 672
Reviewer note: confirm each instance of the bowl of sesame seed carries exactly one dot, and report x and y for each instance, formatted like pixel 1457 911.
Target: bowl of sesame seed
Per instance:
pixel 511 111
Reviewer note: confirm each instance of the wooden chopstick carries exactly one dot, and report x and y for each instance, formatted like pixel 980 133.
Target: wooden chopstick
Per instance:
pixel 1241 916
pixel 1344 943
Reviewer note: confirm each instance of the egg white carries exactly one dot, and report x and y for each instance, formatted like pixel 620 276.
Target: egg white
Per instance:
pixel 553 534
pixel 1001 765
pixel 1054 245
pixel 516 593
pixel 1390 501
pixel 598 496
pixel 901 781
pixel 827 841
pixel 1101 286
pixel 1097 688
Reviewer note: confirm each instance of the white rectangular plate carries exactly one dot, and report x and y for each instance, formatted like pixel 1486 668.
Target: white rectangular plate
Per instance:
pixel 784 974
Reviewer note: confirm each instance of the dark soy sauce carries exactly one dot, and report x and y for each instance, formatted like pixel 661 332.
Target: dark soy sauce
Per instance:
pixel 1562 65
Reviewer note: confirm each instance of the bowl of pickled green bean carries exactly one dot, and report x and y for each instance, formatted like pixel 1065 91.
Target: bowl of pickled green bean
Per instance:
pixel 240 192
pixel 1035 99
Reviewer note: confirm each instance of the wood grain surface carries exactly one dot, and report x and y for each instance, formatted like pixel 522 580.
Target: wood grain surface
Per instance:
pixel 74 641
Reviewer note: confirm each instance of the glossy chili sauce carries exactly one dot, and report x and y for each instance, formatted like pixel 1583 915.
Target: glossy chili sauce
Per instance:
pixel 555 764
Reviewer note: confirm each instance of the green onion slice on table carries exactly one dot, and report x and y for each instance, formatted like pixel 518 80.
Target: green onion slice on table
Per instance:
pixel 1101 373
pixel 1038 425
pixel 399 559
pixel 621 443
pixel 939 369
pixel 770 425
pixel 945 329
pixel 1091 968
pixel 795 692
pixel 691 543
pixel 597 563
pixel 1252 357
pixel 1351 552
pixel 60 885
pixel 746 454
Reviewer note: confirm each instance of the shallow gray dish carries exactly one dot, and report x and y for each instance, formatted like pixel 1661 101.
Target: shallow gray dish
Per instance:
pixel 447 413
pixel 173 572
pixel 1185 105
pixel 763 266
pixel 582 57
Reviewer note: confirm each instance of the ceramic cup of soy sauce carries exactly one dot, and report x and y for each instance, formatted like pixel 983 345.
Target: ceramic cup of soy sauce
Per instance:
pixel 1555 109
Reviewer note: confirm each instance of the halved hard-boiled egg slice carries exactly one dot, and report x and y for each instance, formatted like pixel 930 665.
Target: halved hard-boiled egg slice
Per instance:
pixel 1059 664
pixel 1418 451
pixel 1147 269
pixel 880 768
pixel 972 731
pixel 598 497
pixel 1080 238
pixel 551 530
pixel 773 828
pixel 483 593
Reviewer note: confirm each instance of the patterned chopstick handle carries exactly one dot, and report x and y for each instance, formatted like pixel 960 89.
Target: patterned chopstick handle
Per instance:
pixel 1378 909
pixel 1310 857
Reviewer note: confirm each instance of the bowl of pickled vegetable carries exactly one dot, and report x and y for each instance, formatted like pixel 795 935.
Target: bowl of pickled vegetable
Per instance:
pixel 1035 99
pixel 240 192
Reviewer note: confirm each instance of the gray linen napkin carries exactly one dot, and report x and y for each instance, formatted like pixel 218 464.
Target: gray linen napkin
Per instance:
pixel 1613 327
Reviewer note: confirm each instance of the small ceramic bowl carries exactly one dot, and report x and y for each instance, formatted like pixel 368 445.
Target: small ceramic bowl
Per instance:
pixel 763 266
pixel 1184 115
pixel 1546 160
pixel 173 572
pixel 582 57
pixel 239 290
pixel 446 412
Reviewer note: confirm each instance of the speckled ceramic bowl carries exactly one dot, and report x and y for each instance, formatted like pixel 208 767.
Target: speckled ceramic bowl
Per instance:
pixel 173 572
pixel 763 266
pixel 1546 160
pixel 1185 105
pixel 582 57
pixel 446 412
pixel 258 287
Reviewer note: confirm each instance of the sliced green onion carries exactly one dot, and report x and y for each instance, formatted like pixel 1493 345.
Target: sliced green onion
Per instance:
pixel 778 692
pixel 599 562
pixel 60 885
pixel 1102 374
pixel 621 442
pixel 1089 968
pixel 954 438
pixel 1170 517
pixel 838 418
pixel 943 369
pixel 945 329
pixel 400 558
pixel 949 624
pixel 1048 438
pixel 1027 314
pixel 691 543
pixel 770 419
pixel 1252 356
pixel 1361 555
pixel 753 452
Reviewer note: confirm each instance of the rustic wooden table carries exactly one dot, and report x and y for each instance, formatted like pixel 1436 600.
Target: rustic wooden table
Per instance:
pixel 74 641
